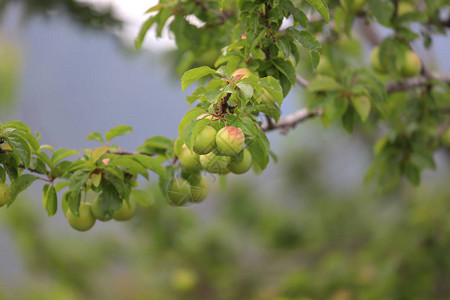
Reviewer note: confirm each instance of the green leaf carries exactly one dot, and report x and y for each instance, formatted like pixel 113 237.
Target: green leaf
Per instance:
pixel 20 146
pixel 246 89
pixel 19 125
pixel 51 203
pixel 296 13
pixel 322 8
pixel 271 86
pixel 412 173
pixel 154 8
pixel 307 40
pixel 348 120
pixel 19 185
pixel 315 58
pixel 122 189
pixel 73 200
pixel 117 131
pixel 60 185
pixel 131 165
pixel 60 169
pixel 362 106
pixel 143 31
pixel 151 164
pixel 194 74
pixel 97 153
pixel 96 136
pixel 109 201
pixel 30 139
pixel 61 154
pixel 323 83
pixel 188 117
pixel 286 68
pixel 78 179
pixel 382 10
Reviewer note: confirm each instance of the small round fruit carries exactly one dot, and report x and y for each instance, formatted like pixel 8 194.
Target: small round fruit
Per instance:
pixel 404 8
pixel 4 193
pixel 126 211
pixel 189 160
pixel 355 6
pixel 84 221
pixel 180 192
pixel 241 74
pixel 375 61
pixel 215 163
pixel 199 189
pixel 97 212
pixel 230 140
pixel 412 64
pixel 241 163
pixel 205 141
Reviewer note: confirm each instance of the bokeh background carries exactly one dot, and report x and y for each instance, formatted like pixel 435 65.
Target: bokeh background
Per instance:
pixel 307 228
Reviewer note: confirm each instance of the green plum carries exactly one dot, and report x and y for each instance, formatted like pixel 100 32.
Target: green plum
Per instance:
pixel 84 221
pixel 241 163
pixel 230 141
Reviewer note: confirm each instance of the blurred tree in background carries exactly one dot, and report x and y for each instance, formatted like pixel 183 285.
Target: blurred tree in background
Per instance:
pixel 301 231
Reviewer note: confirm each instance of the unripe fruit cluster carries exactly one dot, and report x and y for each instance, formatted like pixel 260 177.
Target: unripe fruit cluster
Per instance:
pixel 218 152
pixel 89 213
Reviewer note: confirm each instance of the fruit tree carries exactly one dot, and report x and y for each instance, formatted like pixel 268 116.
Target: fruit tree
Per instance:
pixel 245 57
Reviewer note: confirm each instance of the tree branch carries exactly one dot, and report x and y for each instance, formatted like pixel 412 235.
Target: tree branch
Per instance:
pixel 416 81
pixel 291 120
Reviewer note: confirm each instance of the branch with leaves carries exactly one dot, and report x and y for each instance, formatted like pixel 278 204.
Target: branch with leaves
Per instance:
pixel 245 59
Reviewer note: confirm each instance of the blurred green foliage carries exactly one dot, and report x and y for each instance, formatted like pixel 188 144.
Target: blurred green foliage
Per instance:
pixel 295 240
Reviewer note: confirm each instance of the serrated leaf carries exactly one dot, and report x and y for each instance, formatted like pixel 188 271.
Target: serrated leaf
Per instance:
pixel 62 153
pixel 19 125
pixel 51 204
pixel 20 184
pixel 78 179
pixel 192 75
pixel 117 131
pixel 322 8
pixel 307 40
pixel 362 106
pixel 109 201
pixel 286 68
pixel 151 164
pixel 246 89
pixel 98 152
pixel 96 136
pixel 21 147
pixel 143 31
pixel 122 189
pixel 131 165
pixel 188 117
pixel 271 86
pixel 30 139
